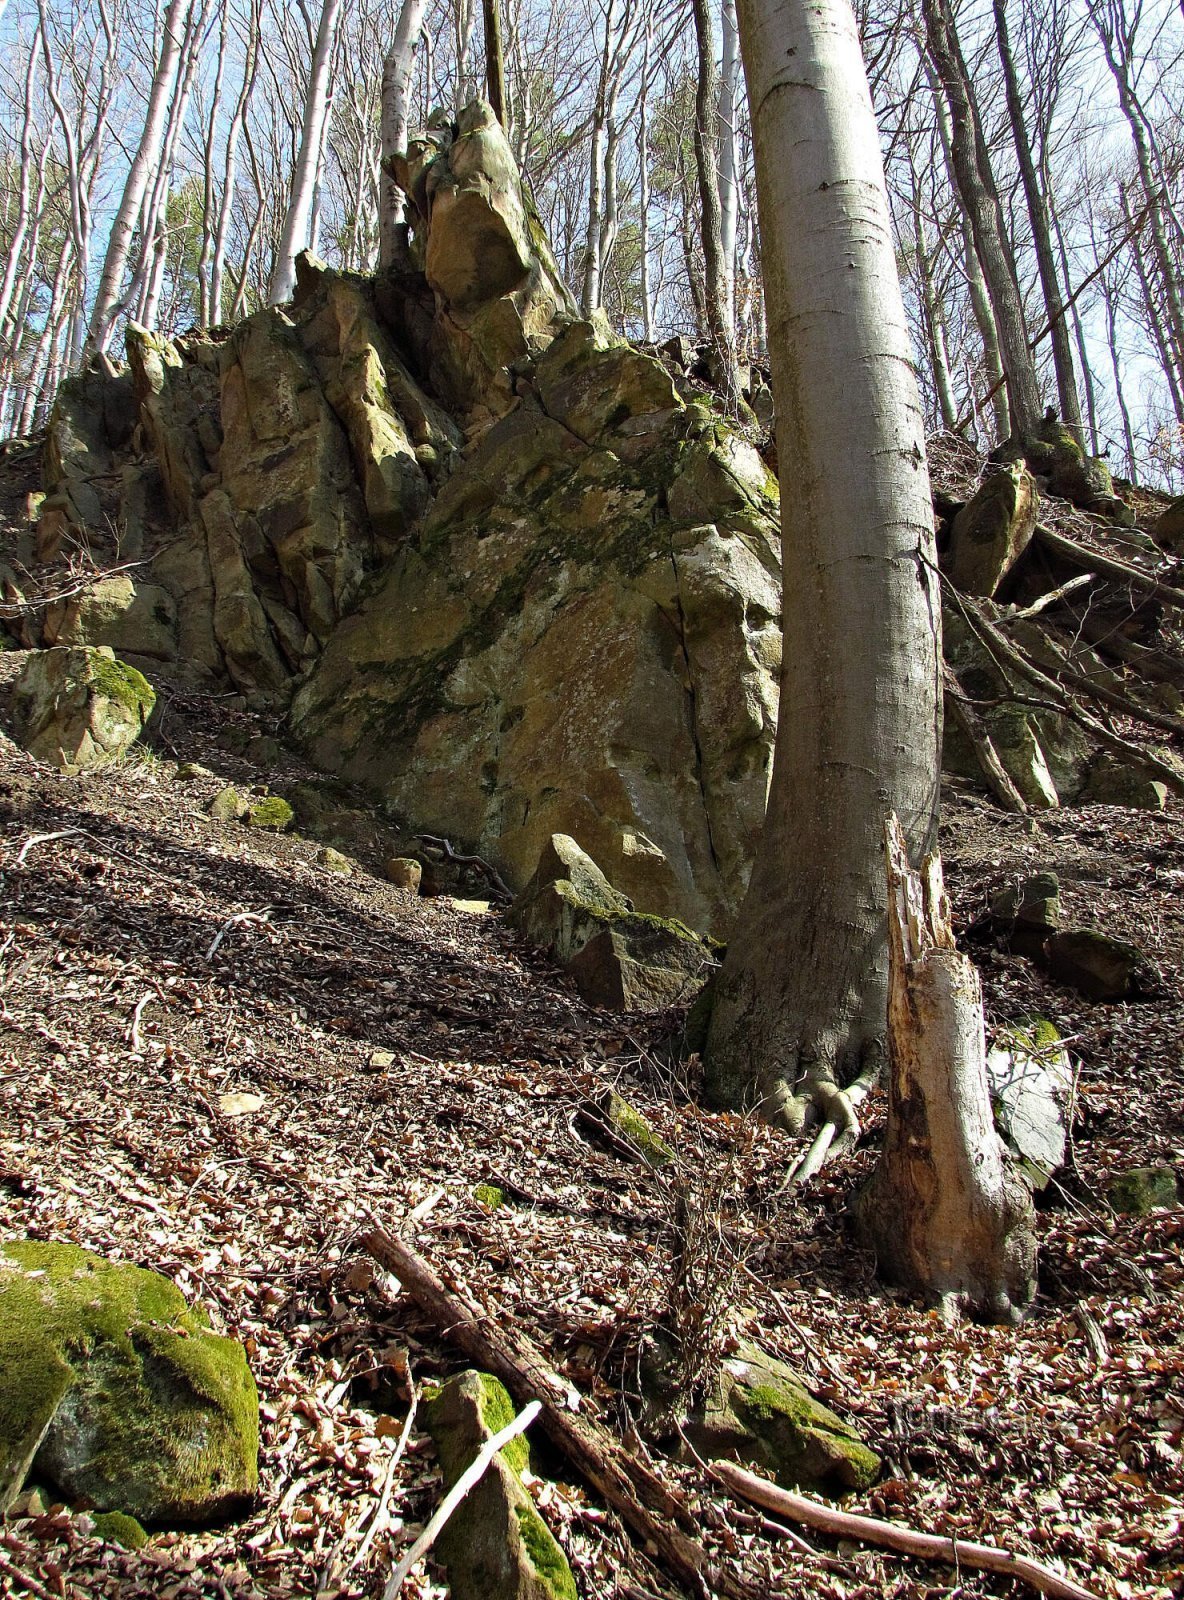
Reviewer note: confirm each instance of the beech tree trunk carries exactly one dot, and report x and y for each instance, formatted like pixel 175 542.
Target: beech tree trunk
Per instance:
pixel 397 70
pixel 945 1211
pixel 140 174
pixel 803 991
pixel 976 186
pixel 297 227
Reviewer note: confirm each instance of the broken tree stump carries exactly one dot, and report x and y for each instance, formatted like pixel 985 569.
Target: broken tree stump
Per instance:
pixel 945 1211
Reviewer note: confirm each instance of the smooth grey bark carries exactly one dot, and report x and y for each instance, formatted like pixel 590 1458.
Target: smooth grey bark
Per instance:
pixel 397 71
pixel 980 300
pixel 729 182
pixel 800 1003
pixel 141 172
pixel 298 218
pixel 976 188
pixel 716 293
pixel 1062 352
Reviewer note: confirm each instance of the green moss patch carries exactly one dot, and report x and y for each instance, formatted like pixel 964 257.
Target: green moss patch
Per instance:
pixel 272 813
pixel 117 1392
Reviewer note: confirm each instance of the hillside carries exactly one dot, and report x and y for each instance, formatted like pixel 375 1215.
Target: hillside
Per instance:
pixel 406 1050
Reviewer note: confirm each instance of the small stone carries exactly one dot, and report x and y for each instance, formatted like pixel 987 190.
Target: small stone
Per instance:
pixel 612 1120
pixel 381 1060
pixel 227 806
pixel 1115 783
pixel 187 771
pixel 271 813
pixel 1140 1190
pixel 333 861
pixel 240 1105
pixel 116 1527
pixel 264 751
pixel 404 873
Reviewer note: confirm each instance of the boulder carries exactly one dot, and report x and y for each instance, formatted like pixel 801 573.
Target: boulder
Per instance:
pixel 79 708
pixel 404 873
pixel 117 1392
pixel 1118 783
pixel 1028 910
pixel 758 1411
pixel 1169 526
pixel 1031 1083
pixel 619 958
pixel 1140 1190
pixel 1097 966
pixel 131 618
pixel 495 1546
pixel 990 533
pixel 227 806
pixel 270 812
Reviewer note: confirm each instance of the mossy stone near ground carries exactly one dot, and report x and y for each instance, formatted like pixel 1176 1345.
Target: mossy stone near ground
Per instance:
pixel 117 1392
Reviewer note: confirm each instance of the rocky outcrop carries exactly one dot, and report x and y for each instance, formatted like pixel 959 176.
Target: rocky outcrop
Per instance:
pixel 116 1392
pixel 79 708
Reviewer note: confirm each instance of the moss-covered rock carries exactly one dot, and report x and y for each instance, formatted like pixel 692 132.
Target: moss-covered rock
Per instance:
pixel 489 1195
pixel 272 813
pixel 757 1410
pixel 611 1120
pixel 1140 1190
pixel 116 1391
pixel 495 1546
pixel 79 708
pixel 118 1528
pixel 227 805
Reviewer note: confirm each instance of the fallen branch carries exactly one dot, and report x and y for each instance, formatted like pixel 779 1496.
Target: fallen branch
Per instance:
pixel 468 1480
pixel 1053 595
pixel 996 774
pixel 1088 560
pixel 870 1530
pixel 459 860
pixel 654 1512
pixel 1000 647
pixel 240 916
pixel 44 838
pixel 1106 696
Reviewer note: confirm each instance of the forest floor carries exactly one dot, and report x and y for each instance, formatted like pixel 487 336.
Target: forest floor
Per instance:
pixel 154 962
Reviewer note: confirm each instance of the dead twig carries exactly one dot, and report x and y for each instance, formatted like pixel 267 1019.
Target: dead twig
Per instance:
pixel 870 1530
pixel 44 838
pixel 240 916
pixel 495 877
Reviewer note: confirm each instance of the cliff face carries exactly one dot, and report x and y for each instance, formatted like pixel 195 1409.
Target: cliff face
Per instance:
pixel 514 575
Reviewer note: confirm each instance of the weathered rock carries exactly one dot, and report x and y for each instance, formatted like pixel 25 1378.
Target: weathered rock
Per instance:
pixel 333 861
pixel 117 1392
pixel 79 708
pixel 619 958
pixel 1084 480
pixel 227 806
pixel 131 618
pixel 1117 783
pixel 1099 967
pixel 404 873
pixel 758 1411
pixel 555 654
pixel 1169 527
pixel 495 1546
pixel 992 530
pixel 1031 1082
pixel 1029 911
pixel 1140 1190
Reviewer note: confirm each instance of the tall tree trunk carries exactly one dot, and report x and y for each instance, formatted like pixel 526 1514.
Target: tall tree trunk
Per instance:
pixel 945 1211
pixel 643 166
pixel 934 324
pixel 296 231
pixel 1087 372
pixel 803 990
pixel 1062 353
pixel 397 71
pixel 980 300
pixel 729 183
pixel 976 188
pixel 719 324
pixel 140 173
pixel 1155 323
pixel 495 60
